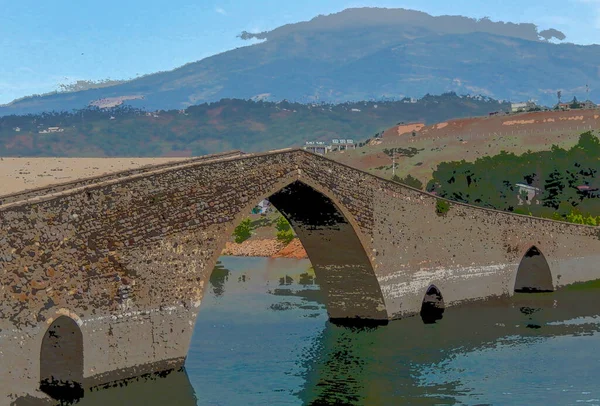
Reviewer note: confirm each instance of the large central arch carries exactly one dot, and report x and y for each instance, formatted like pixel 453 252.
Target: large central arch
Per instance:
pixel 341 265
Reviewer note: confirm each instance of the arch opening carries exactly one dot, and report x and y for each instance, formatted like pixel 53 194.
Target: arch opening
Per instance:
pixel 432 308
pixel 61 360
pixel 342 268
pixel 533 274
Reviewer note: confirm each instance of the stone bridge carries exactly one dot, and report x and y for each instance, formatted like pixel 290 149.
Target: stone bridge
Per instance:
pixel 101 279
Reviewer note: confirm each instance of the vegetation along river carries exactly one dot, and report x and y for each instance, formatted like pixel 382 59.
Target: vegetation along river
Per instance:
pixel 262 338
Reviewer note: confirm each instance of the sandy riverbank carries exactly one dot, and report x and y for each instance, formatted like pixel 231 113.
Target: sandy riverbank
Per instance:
pixel 19 174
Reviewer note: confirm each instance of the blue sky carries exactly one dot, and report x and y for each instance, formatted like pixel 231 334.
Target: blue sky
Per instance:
pixel 45 43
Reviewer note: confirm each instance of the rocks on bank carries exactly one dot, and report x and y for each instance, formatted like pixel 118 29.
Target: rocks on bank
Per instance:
pixel 266 247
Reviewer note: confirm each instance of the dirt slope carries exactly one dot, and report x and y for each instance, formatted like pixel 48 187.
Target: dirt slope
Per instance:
pixel 420 150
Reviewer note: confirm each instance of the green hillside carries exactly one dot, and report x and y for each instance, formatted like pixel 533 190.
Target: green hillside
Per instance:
pixel 224 125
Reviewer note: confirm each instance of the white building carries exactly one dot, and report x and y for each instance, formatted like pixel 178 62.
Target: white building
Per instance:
pixel 52 130
pixel 522 106
pixel 318 147
pixel 530 193
pixel 263 207
pixel 342 144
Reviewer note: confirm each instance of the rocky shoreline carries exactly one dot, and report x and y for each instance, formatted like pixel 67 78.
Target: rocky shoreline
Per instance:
pixel 266 247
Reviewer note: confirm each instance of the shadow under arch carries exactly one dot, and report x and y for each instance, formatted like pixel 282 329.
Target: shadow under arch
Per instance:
pixel 61 360
pixel 533 273
pixel 166 388
pixel 342 267
pixel 432 308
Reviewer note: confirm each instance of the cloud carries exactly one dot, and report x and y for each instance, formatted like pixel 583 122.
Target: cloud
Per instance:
pixel 221 11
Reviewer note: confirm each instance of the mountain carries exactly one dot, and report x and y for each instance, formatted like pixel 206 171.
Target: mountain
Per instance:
pixel 220 126
pixel 362 54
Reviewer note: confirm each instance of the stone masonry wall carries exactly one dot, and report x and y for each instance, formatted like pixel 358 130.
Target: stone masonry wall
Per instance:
pixel 129 260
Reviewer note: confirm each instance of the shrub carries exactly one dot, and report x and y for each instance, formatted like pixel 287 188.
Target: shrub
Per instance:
pixel 285 234
pixel 442 207
pixel 242 231
pixel 409 181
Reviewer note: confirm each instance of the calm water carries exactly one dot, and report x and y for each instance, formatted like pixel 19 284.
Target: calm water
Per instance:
pixel 262 338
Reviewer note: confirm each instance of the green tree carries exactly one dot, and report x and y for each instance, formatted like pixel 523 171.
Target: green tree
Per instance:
pixel 590 144
pixel 553 189
pixel 243 231
pixel 409 181
pixel 285 234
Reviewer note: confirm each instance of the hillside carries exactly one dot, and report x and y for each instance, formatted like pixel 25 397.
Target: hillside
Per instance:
pixel 216 127
pixel 361 54
pixel 467 139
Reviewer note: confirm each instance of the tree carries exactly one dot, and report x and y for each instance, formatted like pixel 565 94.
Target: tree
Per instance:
pixel 553 188
pixel 285 234
pixel 242 231
pixel 589 143
pixel 409 181
pixel 575 104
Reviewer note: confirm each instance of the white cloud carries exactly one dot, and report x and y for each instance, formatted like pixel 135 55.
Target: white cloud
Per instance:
pixel 221 11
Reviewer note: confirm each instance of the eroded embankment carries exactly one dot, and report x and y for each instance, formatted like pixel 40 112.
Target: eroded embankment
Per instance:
pixel 266 247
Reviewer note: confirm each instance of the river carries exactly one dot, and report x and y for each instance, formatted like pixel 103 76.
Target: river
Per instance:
pixel 262 338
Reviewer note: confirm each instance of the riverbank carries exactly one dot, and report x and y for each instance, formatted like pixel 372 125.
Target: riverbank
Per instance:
pixel 266 247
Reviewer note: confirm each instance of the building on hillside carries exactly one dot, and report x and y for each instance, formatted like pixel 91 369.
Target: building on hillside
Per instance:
pixel 588 104
pixel 318 147
pixel 522 106
pixel 52 130
pixel 342 144
pixel 263 207
pixel 589 191
pixel 564 106
pixel 526 194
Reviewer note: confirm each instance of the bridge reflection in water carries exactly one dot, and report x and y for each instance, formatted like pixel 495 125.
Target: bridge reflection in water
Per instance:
pixel 169 389
pixel 397 363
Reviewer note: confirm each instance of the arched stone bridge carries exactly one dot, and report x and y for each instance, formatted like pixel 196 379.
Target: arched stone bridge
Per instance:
pixel 101 279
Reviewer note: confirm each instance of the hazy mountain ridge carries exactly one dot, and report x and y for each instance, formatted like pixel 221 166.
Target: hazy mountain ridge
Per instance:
pixel 362 54
pixel 378 17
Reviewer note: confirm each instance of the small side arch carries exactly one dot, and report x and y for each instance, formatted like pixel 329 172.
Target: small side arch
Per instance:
pixel 61 359
pixel 433 306
pixel 533 273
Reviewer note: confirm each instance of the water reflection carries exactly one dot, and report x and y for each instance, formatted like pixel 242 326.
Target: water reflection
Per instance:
pixel 218 278
pixel 173 388
pixel 410 362
pixel 258 342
